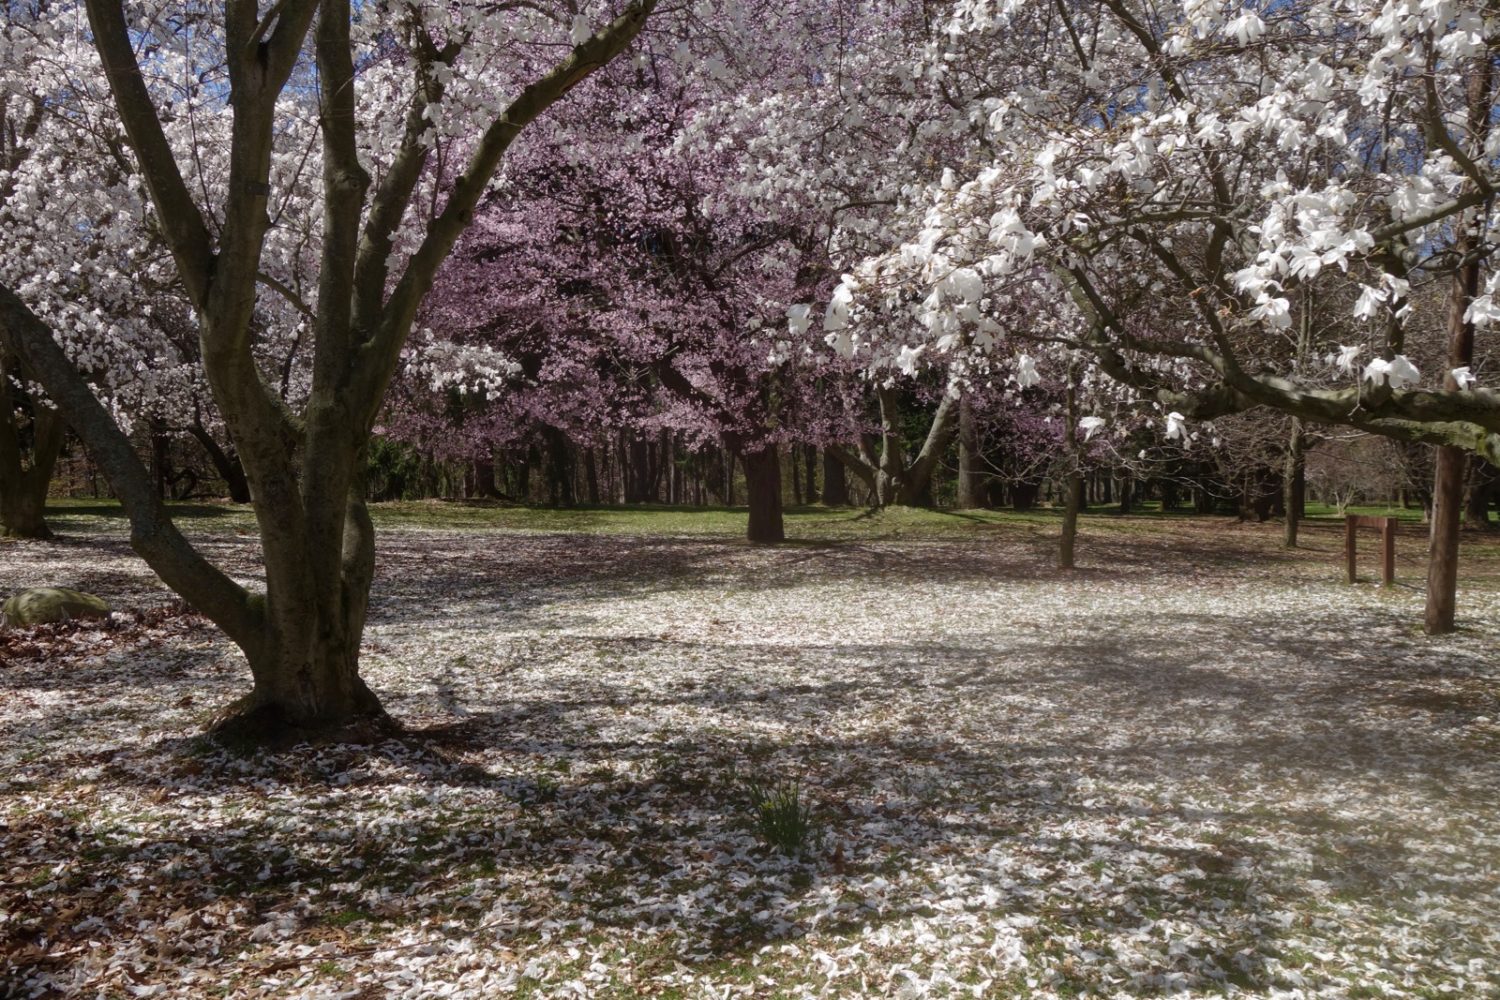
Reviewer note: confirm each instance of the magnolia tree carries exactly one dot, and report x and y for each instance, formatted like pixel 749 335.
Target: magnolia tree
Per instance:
pixel 1226 206
pixel 642 266
pixel 391 92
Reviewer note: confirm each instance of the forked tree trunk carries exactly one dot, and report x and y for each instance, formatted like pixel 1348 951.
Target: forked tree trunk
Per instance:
pixel 306 470
pixel 763 485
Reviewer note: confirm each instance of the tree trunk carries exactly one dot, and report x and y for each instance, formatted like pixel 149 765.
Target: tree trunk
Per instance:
pixel 1477 502
pixel 306 670
pixel 796 478
pixel 26 466
pixel 225 463
pixel 483 469
pixel 1074 478
pixel 810 472
pixel 763 484
pixel 591 475
pixel 1448 477
pixel 1442 559
pixel 1294 483
pixel 835 481
pixel 968 457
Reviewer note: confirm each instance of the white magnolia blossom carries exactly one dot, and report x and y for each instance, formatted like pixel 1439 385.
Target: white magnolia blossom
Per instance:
pixel 1346 358
pixel 1026 373
pixel 1463 377
pixel 1399 372
pixel 1089 425
pixel 1176 427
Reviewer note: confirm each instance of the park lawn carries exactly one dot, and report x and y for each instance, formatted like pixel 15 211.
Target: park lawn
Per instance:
pixel 1200 765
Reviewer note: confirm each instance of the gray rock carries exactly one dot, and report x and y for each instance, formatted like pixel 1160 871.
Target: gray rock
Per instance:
pixel 42 605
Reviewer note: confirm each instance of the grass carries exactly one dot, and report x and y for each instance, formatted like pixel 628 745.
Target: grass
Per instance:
pixel 807 523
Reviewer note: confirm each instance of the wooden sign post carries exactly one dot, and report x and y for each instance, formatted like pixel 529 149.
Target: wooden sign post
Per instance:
pixel 1387 526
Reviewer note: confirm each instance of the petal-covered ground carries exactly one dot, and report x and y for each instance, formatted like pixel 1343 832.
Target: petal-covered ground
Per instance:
pixel 1198 766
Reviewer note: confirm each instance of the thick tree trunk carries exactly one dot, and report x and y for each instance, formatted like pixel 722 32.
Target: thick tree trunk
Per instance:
pixel 763 484
pixel 968 457
pixel 26 466
pixel 835 481
pixel 1448 477
pixel 559 469
pixel 306 671
pixel 483 470
pixel 1442 559
pixel 591 475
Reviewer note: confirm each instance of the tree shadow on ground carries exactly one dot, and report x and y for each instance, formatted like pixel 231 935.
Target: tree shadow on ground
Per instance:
pixel 670 857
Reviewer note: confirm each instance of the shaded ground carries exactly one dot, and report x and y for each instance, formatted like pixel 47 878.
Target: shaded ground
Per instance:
pixel 1199 766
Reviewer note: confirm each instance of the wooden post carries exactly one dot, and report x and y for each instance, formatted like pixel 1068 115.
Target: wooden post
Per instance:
pixel 1387 526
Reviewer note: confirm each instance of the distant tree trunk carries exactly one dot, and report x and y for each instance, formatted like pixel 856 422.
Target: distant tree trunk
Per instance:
pixel 763 484
pixel 835 481
pixel 161 460
pixel 1481 489
pixel 26 473
pixel 1074 478
pixel 810 473
pixel 483 470
pixel 1294 483
pixel 638 471
pixel 1023 494
pixel 796 478
pixel 225 462
pixel 591 475
pixel 968 456
pixel 559 469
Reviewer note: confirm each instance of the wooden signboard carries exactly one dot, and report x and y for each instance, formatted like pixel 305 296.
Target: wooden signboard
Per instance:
pixel 1387 526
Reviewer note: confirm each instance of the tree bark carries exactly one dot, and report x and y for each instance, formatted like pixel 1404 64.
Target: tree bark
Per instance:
pixel 835 482
pixel 591 475
pixel 225 463
pixel 810 472
pixel 1452 462
pixel 968 457
pixel 763 485
pixel 1074 478
pixel 306 470
pixel 26 467
pixel 1294 483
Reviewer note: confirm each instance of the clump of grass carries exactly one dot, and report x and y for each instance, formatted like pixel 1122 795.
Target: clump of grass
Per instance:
pixel 782 815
